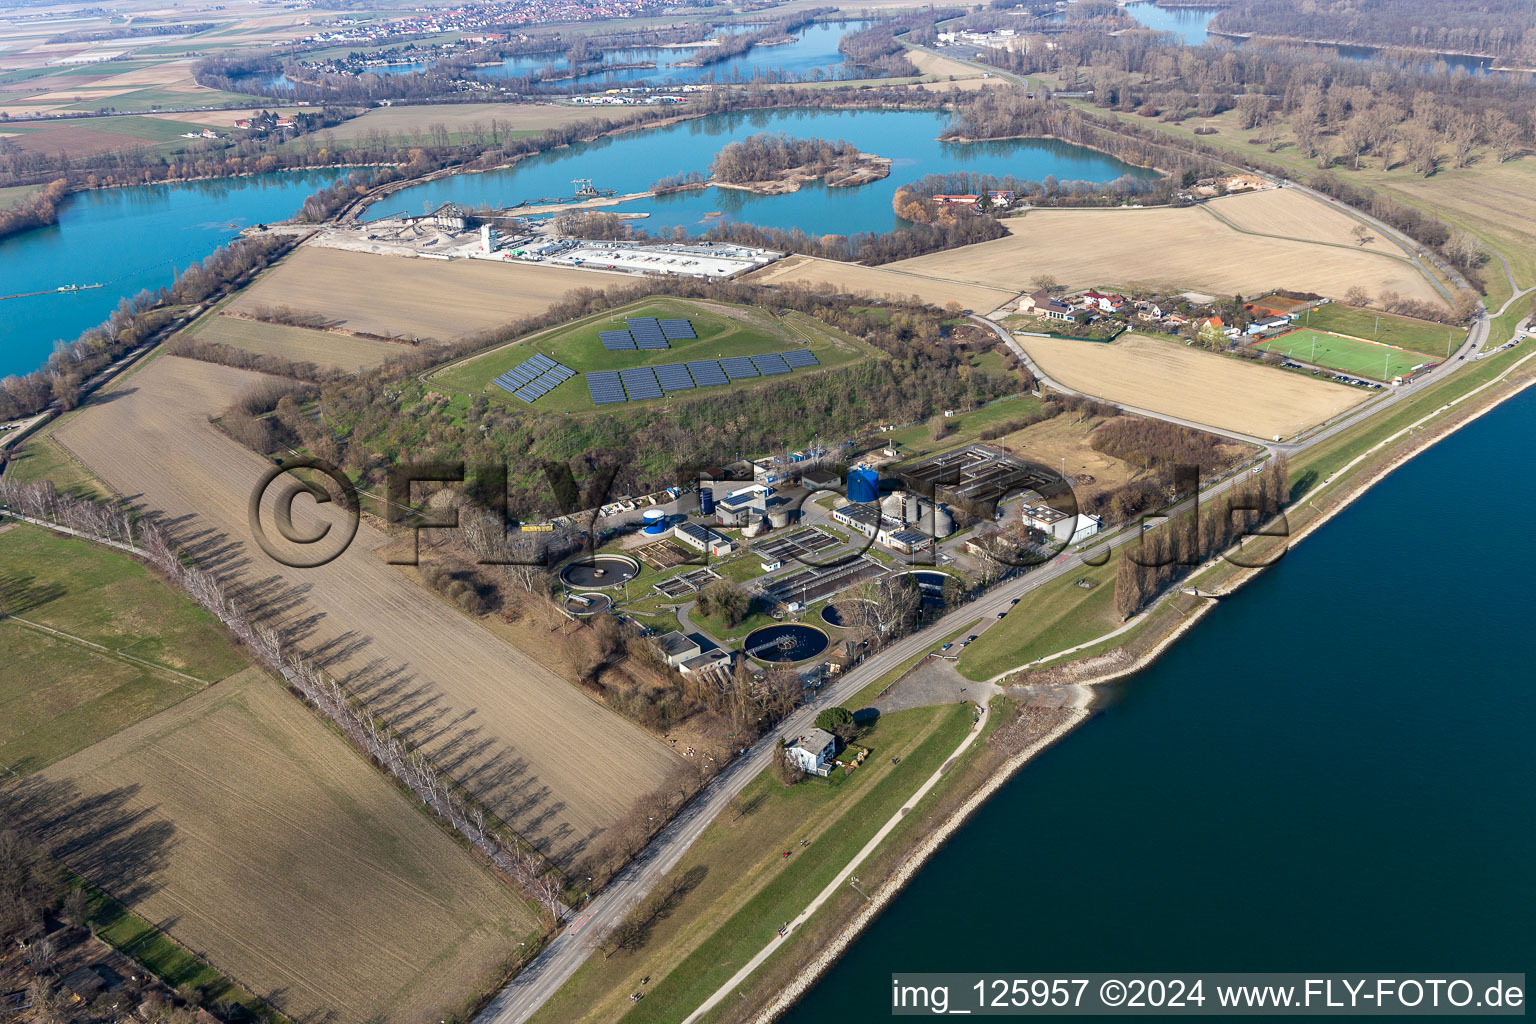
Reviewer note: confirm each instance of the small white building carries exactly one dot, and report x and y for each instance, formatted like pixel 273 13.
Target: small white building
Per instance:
pixel 812 753
pixel 703 538
pixel 1060 525
pixel 677 648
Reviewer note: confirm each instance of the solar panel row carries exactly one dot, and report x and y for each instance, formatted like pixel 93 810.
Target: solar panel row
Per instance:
pixel 605 387
pixel 534 378
pixel 677 330
pixel 644 382
pixel 641 383
pixel 770 365
pixel 674 377
pixel 617 341
pixel 738 367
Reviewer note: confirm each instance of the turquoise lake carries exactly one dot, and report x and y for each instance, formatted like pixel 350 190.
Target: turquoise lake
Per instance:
pixel 133 238
pixel 635 161
pixel 813 54
pixel 127 239
pixel 1332 772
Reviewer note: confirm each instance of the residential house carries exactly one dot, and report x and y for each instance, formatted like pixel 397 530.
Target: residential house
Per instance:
pixel 1105 303
pixel 812 752
pixel 1042 304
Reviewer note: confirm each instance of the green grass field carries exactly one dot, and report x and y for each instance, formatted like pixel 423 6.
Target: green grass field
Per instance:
pixel 1431 339
pixel 1049 619
pixel 745 887
pixel 129 634
pixel 1361 358
pixel 723 330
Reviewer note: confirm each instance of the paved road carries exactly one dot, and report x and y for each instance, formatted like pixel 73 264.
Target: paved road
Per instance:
pixel 556 963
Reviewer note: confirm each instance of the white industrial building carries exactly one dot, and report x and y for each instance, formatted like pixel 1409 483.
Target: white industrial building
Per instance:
pixel 902 521
pixel 1061 526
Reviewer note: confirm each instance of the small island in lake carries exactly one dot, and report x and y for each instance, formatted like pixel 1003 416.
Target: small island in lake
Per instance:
pixel 773 163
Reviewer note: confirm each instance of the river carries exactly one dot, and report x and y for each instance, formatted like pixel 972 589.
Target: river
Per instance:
pixel 127 239
pixel 1332 772
pixel 633 162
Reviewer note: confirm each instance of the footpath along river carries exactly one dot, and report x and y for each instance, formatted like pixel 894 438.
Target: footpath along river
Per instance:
pixel 1332 772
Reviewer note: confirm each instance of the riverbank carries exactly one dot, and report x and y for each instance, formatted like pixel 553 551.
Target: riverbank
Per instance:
pixel 1076 710
pixel 1080 678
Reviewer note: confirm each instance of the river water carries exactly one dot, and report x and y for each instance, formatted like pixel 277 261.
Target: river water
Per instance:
pixel 1332 772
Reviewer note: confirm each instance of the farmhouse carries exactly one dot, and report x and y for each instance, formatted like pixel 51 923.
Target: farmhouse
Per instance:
pixel 1042 304
pixel 1059 525
pixel 1105 303
pixel 949 200
pixel 812 753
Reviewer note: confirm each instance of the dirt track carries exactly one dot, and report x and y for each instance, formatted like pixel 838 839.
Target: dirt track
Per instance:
pixel 560 766
pixel 258 839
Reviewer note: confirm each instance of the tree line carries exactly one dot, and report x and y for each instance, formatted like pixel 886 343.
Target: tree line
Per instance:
pixel 1489 27
pixel 37 210
pixel 1171 550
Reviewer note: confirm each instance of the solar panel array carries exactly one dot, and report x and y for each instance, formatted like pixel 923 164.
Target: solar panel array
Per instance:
pixel 535 378
pixel 738 367
pixel 674 377
pixel 707 373
pixel 636 385
pixel 605 387
pixel 617 341
pixel 641 383
pixel 677 330
pixel 647 332
pixel 770 365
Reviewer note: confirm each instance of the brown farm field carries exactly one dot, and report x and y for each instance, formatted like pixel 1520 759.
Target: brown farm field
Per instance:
pixel 256 837
pixel 1173 249
pixel 327 348
pixel 882 282
pixel 1175 379
pixel 396 296
pixel 1287 213
pixel 558 765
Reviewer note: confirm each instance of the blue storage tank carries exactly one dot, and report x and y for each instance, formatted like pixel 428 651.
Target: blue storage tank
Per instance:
pixel 863 485
pixel 706 501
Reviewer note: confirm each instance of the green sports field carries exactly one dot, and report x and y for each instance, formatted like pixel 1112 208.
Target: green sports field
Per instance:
pixel 723 329
pixel 1360 358
pixel 1433 339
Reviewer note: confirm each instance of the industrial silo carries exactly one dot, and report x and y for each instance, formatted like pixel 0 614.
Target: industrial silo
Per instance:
pixel 893 505
pixel 778 518
pixel 863 486
pixel 943 521
pixel 706 501
pixel 914 508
